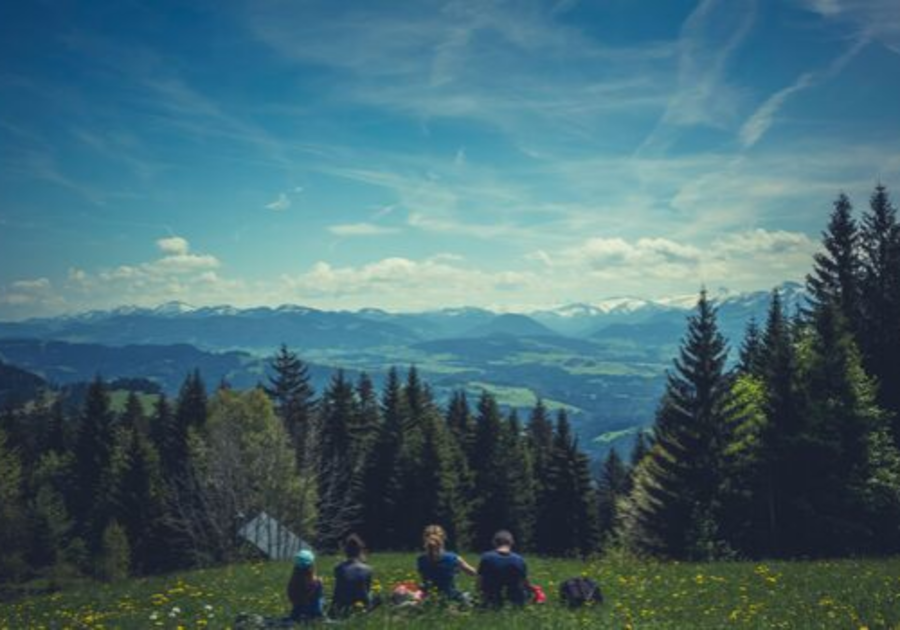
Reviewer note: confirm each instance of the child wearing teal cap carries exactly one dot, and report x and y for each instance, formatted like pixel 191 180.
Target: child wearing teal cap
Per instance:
pixel 305 589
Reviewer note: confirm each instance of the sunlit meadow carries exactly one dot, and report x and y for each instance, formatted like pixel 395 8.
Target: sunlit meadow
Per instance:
pixel 839 594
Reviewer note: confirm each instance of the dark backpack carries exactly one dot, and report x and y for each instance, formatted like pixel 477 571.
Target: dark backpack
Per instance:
pixel 579 591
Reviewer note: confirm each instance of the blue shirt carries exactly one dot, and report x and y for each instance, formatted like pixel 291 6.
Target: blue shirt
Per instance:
pixel 352 584
pixel 440 575
pixel 503 578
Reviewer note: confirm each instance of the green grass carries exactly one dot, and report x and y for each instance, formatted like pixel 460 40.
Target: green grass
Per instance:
pixel 520 397
pixel 838 594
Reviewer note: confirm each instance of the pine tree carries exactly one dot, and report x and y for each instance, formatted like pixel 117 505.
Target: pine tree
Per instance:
pixel 568 522
pixel 841 413
pixel 93 452
pixel 751 353
pixel 492 509
pixel 879 333
pixel 338 511
pixel 12 513
pixel 519 469
pixel 673 507
pixel 365 423
pixel 836 273
pixel 138 498
pixel 294 398
pixel 459 419
pixel 612 486
pixel 781 432
pixel 191 409
pixel 383 501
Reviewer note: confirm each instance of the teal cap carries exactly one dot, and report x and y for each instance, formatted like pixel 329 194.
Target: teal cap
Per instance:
pixel 304 559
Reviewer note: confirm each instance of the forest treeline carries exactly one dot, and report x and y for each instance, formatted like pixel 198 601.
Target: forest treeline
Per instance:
pixel 791 450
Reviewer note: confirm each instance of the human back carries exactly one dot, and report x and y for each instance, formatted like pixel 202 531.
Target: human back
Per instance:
pixel 352 579
pixel 439 567
pixel 502 573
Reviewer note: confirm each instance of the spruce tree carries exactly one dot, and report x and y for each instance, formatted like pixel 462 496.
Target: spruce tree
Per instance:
pixel 879 332
pixel 492 507
pixel 782 430
pixel 751 353
pixel 519 469
pixel 673 508
pixel 459 419
pixel 294 398
pixel 383 502
pixel 612 486
pixel 338 511
pixel 841 413
pixel 836 273
pixel 568 521
pixel 93 452
pixel 191 409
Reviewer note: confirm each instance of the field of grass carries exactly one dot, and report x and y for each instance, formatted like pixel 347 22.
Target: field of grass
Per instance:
pixel 839 594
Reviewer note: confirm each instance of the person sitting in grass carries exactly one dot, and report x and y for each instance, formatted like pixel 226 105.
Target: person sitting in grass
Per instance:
pixel 352 580
pixel 502 574
pixel 304 589
pixel 438 567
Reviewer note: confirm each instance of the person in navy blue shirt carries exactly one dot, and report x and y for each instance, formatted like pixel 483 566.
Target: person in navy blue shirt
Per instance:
pixel 438 567
pixel 352 580
pixel 502 574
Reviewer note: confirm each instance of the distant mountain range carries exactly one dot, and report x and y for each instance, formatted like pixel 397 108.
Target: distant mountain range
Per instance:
pixel 261 329
pixel 603 362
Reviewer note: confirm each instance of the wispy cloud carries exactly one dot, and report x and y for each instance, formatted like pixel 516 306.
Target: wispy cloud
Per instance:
pixel 361 229
pixel 764 117
pixel 280 204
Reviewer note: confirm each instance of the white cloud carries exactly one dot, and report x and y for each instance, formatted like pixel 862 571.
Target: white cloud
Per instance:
pixel 173 245
pixel 280 204
pixel 361 229
pixel 37 285
pixel 876 20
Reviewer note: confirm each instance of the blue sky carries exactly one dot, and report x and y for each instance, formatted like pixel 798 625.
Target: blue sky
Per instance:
pixel 427 154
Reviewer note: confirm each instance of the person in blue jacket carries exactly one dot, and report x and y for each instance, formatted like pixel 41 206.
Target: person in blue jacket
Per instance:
pixel 304 589
pixel 438 567
pixel 353 580
pixel 503 574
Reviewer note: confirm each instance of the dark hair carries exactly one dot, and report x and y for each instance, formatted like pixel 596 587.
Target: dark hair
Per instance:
pixel 354 547
pixel 301 586
pixel 504 538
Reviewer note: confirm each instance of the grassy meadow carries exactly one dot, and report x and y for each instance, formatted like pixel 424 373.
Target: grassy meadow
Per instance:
pixel 824 594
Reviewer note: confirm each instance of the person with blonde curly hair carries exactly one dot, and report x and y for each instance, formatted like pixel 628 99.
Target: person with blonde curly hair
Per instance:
pixel 438 567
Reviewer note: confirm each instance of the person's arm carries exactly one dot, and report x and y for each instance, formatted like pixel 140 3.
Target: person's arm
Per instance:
pixel 465 567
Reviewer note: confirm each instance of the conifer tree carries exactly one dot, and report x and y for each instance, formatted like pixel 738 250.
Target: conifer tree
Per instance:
pixel 459 419
pixel 12 513
pixel 879 333
pixel 338 510
pixel 93 452
pixel 841 413
pixel 673 507
pixel 493 505
pixel 138 497
pixel 383 501
pixel 612 486
pixel 191 409
pixel 294 398
pixel 519 469
pixel 751 353
pixel 836 273
pixel 365 423
pixel 568 523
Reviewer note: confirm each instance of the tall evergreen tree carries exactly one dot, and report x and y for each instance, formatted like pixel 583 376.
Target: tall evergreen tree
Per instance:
pixel 383 502
pixel 492 509
pixel 674 504
pixel 294 398
pixel 612 486
pixel 191 409
pixel 519 469
pixel 879 333
pixel 782 429
pixel 459 419
pixel 338 511
pixel 93 452
pixel 12 513
pixel 833 456
pixel 836 273
pixel 751 353
pixel 568 521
